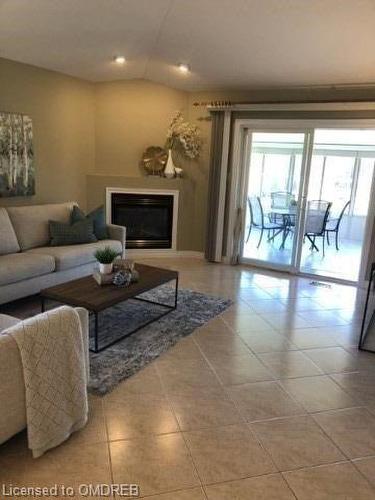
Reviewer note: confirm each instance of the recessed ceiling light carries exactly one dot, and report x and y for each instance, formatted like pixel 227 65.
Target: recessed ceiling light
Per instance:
pixel 184 68
pixel 119 59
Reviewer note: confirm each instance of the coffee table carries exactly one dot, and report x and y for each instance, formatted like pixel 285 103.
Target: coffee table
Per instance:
pixel 85 292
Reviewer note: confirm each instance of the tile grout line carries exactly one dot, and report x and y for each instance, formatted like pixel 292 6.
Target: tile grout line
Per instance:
pixel 329 465
pixel 267 368
pixel 330 439
pixel 108 442
pixel 288 486
pixel 353 461
pixel 190 488
pixel 330 375
pixel 180 432
pixel 236 406
pixel 279 383
pixel 238 410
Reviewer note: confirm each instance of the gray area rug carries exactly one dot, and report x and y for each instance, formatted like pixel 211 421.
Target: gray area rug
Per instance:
pixel 131 354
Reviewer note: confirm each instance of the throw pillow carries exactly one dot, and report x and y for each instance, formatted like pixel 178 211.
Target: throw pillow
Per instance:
pixel 71 234
pixel 98 218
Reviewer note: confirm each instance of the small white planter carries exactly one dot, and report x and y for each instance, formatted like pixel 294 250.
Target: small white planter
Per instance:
pixel 105 268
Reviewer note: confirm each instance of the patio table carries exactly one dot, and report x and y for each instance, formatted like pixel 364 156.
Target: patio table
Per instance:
pixel 288 216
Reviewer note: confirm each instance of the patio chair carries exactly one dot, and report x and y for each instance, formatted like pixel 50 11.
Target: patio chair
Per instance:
pixel 281 199
pixel 333 225
pixel 257 219
pixel 316 220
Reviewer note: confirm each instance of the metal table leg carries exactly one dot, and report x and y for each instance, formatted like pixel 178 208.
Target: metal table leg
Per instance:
pixel 169 308
pixel 96 332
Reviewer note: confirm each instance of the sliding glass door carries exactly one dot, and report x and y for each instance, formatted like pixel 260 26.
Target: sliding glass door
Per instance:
pixel 307 198
pixel 341 173
pixel 276 163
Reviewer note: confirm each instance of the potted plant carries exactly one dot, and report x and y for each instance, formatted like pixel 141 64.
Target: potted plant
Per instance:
pixel 105 256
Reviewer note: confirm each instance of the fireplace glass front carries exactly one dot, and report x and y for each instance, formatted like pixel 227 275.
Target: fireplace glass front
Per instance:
pixel 148 218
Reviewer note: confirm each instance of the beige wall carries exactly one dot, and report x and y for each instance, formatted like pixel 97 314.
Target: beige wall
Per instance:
pixel 129 117
pixel 62 110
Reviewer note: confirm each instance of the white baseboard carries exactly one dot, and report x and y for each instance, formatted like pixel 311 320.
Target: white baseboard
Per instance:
pixel 150 253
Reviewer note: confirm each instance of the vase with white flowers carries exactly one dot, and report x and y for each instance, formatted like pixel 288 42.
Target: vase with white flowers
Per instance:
pixel 183 138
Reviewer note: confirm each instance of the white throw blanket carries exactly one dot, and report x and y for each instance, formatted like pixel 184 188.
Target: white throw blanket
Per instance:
pixel 54 367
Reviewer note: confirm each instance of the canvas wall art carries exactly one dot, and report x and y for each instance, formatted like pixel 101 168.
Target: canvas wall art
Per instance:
pixel 17 176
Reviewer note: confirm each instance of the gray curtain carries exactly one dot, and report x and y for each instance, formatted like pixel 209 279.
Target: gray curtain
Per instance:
pixel 237 234
pixel 216 152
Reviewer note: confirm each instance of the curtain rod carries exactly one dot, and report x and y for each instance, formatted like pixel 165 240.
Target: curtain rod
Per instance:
pixel 225 104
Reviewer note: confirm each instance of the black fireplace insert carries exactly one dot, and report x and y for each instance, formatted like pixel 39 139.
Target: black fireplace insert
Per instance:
pixel 148 218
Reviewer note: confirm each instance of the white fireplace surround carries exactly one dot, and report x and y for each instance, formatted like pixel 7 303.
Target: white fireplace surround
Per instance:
pixel 161 192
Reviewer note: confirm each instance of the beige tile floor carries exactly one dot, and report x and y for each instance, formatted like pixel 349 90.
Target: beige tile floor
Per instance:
pixel 270 400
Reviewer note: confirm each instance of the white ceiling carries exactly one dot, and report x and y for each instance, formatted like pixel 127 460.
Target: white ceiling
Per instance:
pixel 227 43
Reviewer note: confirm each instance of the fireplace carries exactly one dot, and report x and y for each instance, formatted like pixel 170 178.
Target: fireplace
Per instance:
pixel 148 215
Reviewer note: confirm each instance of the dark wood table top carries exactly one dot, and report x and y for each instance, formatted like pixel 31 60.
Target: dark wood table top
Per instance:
pixel 85 292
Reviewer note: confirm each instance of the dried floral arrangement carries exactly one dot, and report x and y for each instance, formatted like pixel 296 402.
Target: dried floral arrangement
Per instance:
pixel 184 137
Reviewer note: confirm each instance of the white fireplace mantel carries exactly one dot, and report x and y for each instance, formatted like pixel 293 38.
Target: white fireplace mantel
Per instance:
pixel 171 192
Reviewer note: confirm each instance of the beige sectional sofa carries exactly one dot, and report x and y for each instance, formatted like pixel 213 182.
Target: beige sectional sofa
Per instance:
pixel 27 262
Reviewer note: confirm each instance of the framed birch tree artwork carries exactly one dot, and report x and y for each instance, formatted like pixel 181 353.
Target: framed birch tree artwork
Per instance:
pixel 17 177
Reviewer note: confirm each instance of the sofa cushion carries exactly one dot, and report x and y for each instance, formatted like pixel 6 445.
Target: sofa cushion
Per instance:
pixel 62 234
pixel 8 238
pixel 97 216
pixel 7 321
pixel 31 223
pixel 21 266
pixel 75 255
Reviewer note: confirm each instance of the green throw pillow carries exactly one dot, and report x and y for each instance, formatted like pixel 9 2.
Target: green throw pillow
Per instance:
pixel 71 234
pixel 98 218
